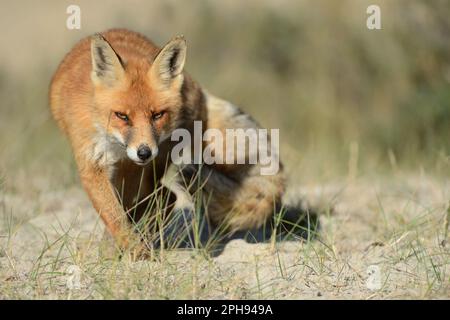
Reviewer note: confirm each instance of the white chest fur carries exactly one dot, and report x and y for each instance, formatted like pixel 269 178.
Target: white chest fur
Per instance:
pixel 106 149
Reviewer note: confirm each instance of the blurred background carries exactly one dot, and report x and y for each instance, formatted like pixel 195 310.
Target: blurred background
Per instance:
pixel 348 101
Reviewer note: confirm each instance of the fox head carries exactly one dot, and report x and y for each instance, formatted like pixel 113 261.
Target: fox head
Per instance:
pixel 137 100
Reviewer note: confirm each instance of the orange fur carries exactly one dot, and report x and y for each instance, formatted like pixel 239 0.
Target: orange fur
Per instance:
pixel 113 94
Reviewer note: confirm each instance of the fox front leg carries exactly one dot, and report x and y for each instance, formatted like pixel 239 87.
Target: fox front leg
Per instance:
pixel 96 182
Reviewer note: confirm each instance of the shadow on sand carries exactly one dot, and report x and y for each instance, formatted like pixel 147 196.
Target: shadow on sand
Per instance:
pixel 186 231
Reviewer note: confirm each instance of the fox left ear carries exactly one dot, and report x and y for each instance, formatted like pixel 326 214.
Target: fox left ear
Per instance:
pixel 168 65
pixel 107 66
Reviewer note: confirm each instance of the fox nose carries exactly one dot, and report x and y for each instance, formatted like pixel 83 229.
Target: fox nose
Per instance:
pixel 144 152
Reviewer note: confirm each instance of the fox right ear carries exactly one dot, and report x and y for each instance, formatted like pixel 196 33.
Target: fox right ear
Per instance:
pixel 107 66
pixel 167 68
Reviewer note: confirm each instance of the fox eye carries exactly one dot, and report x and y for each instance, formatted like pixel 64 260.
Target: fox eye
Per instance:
pixel 121 116
pixel 158 115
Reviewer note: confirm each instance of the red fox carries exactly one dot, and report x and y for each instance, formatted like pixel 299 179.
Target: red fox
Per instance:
pixel 118 98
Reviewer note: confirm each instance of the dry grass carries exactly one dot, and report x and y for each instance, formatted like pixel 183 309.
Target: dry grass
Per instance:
pixel 397 223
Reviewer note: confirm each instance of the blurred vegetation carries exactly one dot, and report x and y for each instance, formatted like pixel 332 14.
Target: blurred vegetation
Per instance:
pixel 312 69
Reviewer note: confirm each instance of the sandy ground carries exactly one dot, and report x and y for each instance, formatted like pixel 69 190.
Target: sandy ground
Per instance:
pixel 383 239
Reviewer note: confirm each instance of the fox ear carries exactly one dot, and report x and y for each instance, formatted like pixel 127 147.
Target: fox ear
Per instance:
pixel 107 66
pixel 169 63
